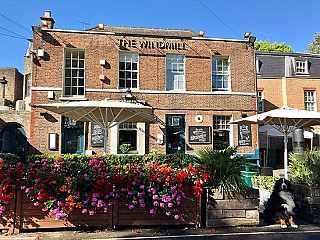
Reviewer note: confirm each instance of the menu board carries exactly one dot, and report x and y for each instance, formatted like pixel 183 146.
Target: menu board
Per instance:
pixel 97 135
pixel 244 135
pixel 199 134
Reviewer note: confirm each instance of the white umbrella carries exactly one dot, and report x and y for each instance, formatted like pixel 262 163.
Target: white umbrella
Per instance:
pixel 285 120
pixel 105 113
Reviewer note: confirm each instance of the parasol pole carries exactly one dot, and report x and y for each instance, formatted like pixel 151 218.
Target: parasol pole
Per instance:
pixel 105 134
pixel 285 149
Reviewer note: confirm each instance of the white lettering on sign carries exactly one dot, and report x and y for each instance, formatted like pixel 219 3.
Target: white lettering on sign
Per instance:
pixel 152 45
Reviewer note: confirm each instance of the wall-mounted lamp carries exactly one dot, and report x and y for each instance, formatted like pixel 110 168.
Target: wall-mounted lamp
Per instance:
pixel 201 33
pixel 53 141
pixel 40 52
pixel 101 26
pixel 247 34
pixel 129 97
pixel 252 39
pixel 103 62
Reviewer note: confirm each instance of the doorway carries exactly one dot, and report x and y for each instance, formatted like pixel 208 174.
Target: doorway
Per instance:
pixel 175 133
pixel 72 136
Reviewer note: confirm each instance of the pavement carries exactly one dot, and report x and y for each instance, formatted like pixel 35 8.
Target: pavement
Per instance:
pixel 167 233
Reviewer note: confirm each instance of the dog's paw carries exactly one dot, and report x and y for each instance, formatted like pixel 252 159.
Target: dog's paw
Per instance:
pixel 284 226
pixel 294 226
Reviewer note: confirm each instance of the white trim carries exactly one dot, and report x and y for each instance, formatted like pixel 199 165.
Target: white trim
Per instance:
pixel 114 90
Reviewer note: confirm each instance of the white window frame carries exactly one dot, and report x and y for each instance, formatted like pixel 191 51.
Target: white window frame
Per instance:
pixel 129 59
pixel 222 73
pixel 260 97
pixel 77 73
pixel 27 85
pixel 301 66
pixel 225 126
pixel 310 100
pixel 173 75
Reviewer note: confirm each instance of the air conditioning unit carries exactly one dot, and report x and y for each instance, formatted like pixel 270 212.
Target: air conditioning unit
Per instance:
pixel 20 105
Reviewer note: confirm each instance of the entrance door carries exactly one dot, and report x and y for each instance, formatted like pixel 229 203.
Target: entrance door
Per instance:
pixel 72 136
pixel 175 133
pixel 13 140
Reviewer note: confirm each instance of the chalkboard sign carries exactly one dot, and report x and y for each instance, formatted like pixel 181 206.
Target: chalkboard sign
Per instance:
pixel 244 135
pixel 97 135
pixel 199 134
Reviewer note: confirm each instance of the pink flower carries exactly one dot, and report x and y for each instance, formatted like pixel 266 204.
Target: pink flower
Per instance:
pixel 142 205
pixel 36 204
pixel 131 206
pixel 168 213
pixel 141 186
pixel 141 201
pixel 162 205
pixel 152 211
pixel 84 210
pixel 170 205
pixel 154 197
pixel 176 217
pixel 156 204
pixel 91 213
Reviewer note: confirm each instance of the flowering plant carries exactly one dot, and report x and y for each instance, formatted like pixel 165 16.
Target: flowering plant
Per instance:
pixel 11 174
pixel 63 184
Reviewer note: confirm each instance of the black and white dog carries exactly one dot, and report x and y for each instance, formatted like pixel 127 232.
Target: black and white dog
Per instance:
pixel 280 206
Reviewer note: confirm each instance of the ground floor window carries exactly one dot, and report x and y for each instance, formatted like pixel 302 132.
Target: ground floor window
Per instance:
pixel 128 134
pixel 221 132
pixel 72 136
pixel 175 133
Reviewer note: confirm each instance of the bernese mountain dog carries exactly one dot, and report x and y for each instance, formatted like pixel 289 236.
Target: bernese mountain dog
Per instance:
pixel 280 206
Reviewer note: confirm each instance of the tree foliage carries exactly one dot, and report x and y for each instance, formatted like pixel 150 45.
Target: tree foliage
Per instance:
pixel 274 47
pixel 314 46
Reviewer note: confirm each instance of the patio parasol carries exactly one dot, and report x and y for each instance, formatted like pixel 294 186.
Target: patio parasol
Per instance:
pixel 285 120
pixel 105 113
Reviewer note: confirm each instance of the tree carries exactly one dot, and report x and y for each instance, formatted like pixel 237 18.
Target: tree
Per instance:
pixel 274 47
pixel 314 46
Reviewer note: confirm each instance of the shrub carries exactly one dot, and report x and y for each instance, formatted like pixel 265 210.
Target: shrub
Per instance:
pixel 305 167
pixel 265 182
pixel 125 148
pixel 225 169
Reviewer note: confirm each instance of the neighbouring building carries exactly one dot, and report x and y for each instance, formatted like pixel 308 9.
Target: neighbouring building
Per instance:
pixel 14 120
pixel 286 79
pixel 195 84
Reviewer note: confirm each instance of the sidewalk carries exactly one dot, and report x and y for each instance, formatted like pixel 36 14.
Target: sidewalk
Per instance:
pixel 160 233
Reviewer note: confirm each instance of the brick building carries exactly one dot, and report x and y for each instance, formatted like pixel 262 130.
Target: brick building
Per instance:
pixel 194 83
pixel 287 79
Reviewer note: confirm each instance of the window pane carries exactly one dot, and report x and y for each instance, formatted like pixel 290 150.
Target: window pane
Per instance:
pixel 81 81
pixel 128 75
pixel 74 63
pixel 67 63
pixel 74 91
pixel 74 73
pixel 128 66
pixel 134 75
pixel 81 90
pixel 81 73
pixel 68 82
pixel 121 66
pixel 67 90
pixel 134 84
pixel 81 63
pixel 134 66
pixel 68 73
pixel 122 83
pixel 122 74
pixel 128 83
pixel 74 82
pixel 135 58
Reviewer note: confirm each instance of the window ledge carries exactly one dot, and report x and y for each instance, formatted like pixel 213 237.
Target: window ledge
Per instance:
pixel 302 74
pixel 73 98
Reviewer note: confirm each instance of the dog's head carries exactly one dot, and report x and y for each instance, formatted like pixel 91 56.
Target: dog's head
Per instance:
pixel 282 185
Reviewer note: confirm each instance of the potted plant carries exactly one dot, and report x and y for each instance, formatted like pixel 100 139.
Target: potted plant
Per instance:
pixel 304 172
pixel 227 197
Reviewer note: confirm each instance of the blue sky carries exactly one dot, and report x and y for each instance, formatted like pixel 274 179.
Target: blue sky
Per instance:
pixel 293 22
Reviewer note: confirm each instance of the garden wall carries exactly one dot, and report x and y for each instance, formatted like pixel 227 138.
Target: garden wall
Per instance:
pixel 223 211
pixel 308 199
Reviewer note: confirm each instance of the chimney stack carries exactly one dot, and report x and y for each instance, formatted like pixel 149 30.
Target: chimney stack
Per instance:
pixel 47 21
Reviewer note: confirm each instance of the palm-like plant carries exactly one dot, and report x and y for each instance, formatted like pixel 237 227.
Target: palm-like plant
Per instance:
pixel 225 170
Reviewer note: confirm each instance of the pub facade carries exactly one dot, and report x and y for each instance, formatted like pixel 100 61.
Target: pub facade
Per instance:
pixel 195 84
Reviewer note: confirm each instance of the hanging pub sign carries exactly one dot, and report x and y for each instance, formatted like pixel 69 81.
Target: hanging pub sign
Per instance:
pixel 97 135
pixel 244 135
pixel 199 134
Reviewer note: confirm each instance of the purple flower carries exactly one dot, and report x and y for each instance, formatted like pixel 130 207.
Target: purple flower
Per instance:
pixel 100 205
pixel 176 217
pixel 131 206
pixel 2 208
pixel 170 204
pixel 168 213
pixel 84 210
pixel 162 205
pixel 106 196
pixel 111 194
pixel 141 201
pixel 134 202
pixel 91 213
pixel 105 210
pixel 37 180
pixel 23 187
pixel 134 183
pixel 142 205
pixel 154 197
pixel 94 199
pixel 152 211
pixel 96 195
pixel 59 203
pixel 93 204
pixel 130 193
pixel 123 189
pixel 141 186
pixel 86 177
pixel 139 194
pixel 156 204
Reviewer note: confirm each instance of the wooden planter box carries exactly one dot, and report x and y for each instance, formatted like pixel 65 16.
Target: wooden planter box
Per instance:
pixel 308 202
pixel 7 218
pixel 222 212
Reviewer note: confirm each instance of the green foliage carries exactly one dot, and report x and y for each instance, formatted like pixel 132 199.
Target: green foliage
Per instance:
pixel 9 158
pixel 274 47
pixel 265 182
pixel 225 169
pixel 314 46
pixel 305 167
pixel 125 148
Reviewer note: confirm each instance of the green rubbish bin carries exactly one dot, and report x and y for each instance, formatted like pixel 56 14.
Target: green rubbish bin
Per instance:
pixel 247 175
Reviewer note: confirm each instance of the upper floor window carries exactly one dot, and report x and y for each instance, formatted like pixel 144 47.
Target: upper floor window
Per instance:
pixel 74 76
pixel 310 100
pixel 128 70
pixel 220 73
pixel 260 101
pixel 301 66
pixel 27 85
pixel 175 71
